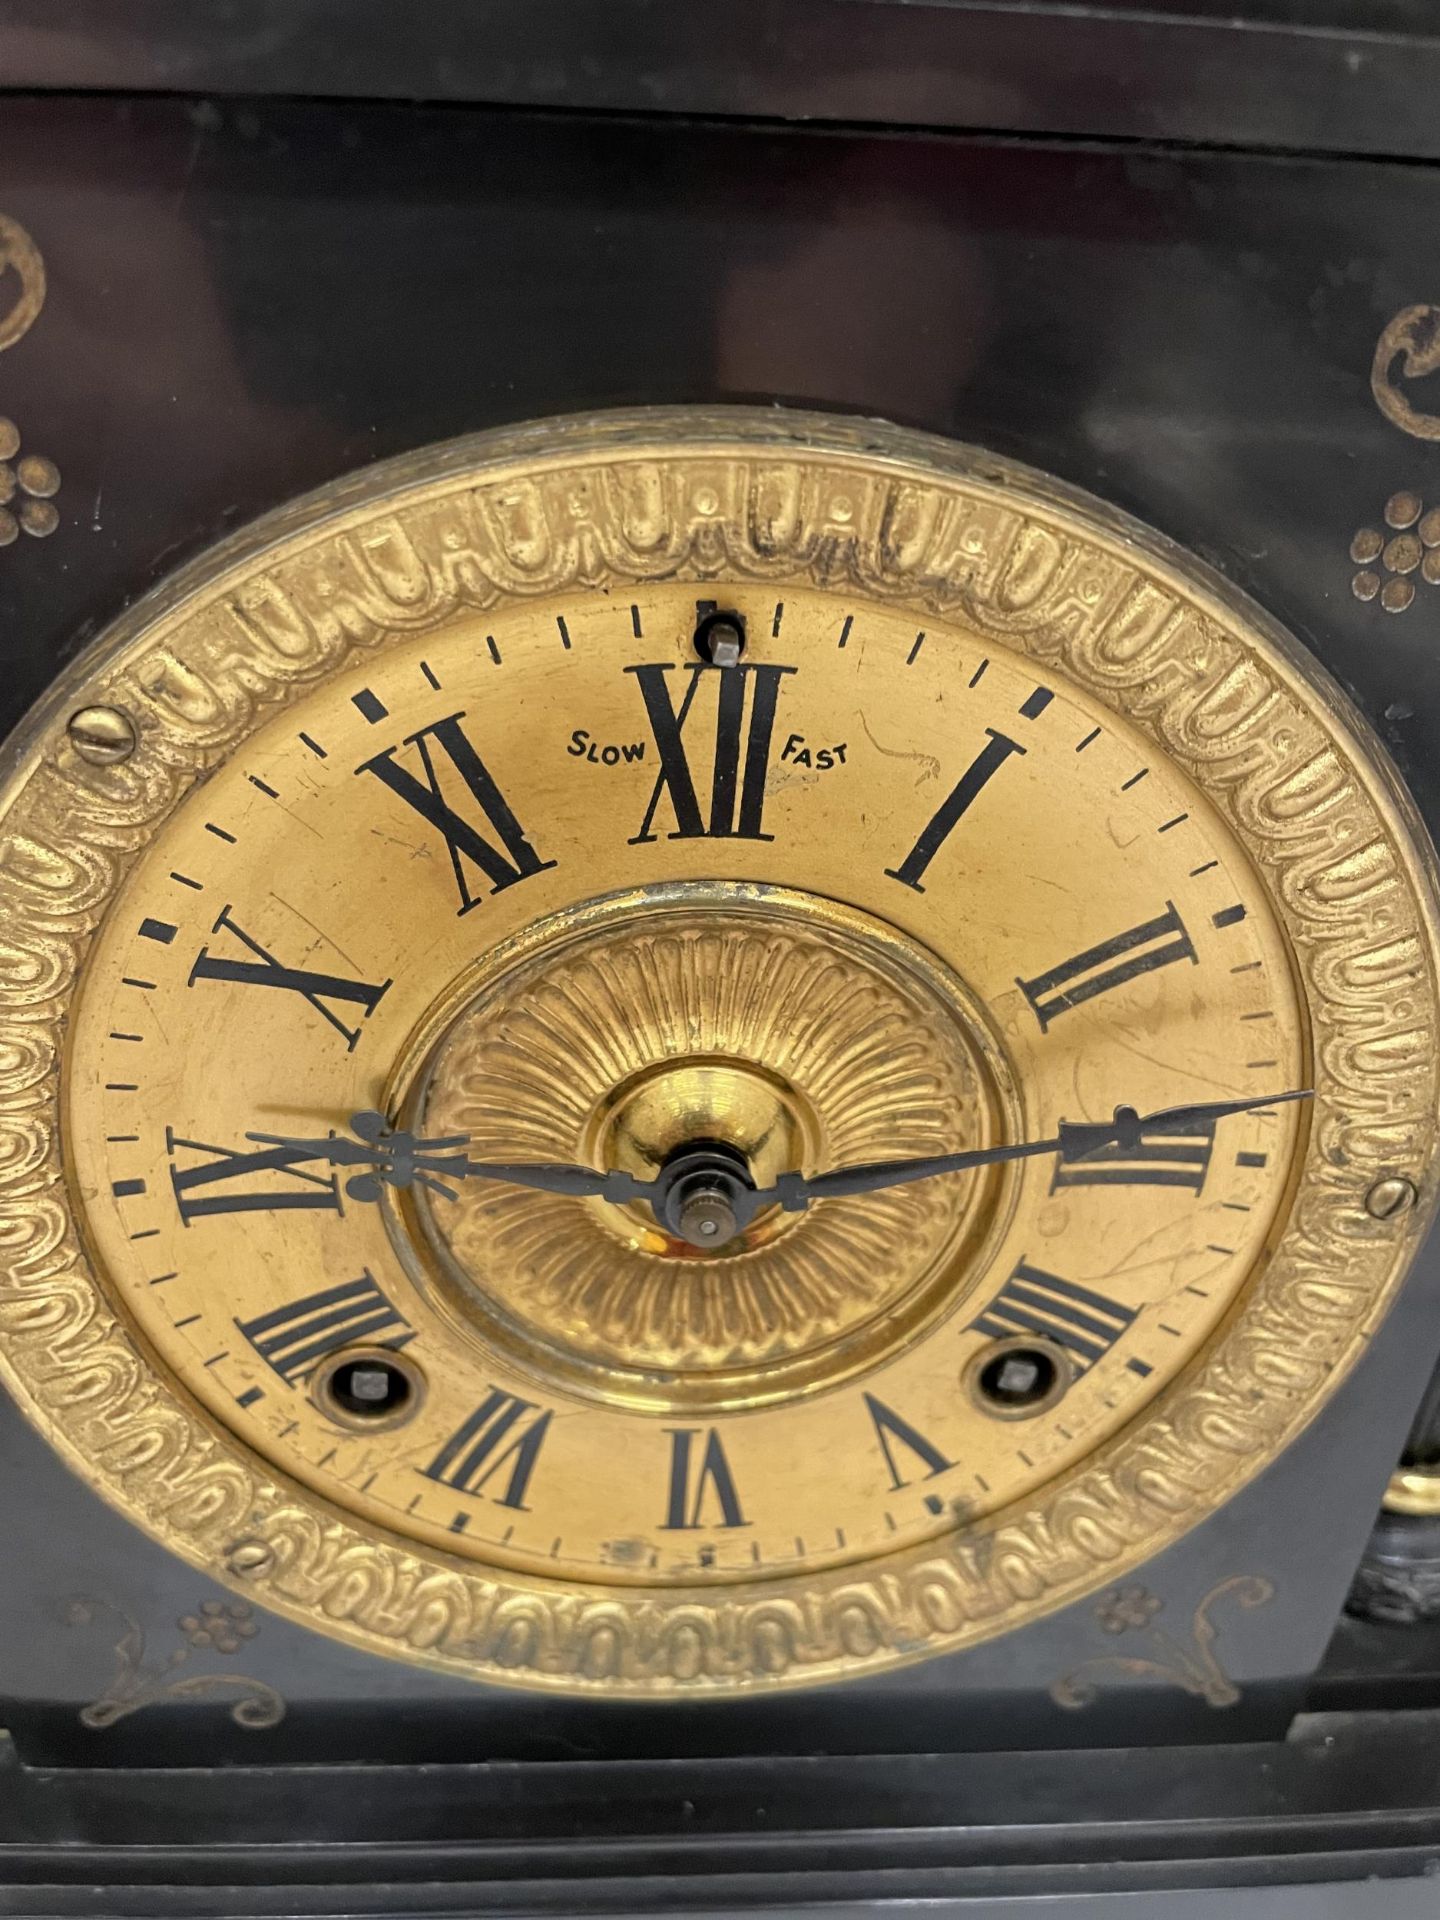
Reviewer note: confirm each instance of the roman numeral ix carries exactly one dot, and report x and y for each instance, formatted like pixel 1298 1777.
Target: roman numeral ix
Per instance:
pixel 470 851
pixel 1154 943
pixel 1032 1301
pixel 734 806
pixel 255 1180
pixel 294 1338
pixel 266 971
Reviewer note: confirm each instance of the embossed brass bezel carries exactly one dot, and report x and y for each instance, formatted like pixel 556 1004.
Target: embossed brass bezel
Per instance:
pixel 746 495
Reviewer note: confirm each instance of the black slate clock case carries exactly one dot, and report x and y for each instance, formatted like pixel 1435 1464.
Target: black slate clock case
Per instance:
pixel 279 248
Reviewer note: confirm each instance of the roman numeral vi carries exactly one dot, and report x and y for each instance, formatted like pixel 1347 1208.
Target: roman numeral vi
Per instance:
pixel 694 1482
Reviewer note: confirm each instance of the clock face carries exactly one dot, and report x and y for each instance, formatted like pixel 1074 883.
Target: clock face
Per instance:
pixel 697 803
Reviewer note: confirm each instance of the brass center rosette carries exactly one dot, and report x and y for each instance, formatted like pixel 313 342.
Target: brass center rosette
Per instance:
pixel 801 1033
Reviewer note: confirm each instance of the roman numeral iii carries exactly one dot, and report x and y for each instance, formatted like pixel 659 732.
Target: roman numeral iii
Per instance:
pixel 1154 943
pixel 254 1180
pixel 1161 1160
pixel 264 970
pixel 1078 1319
pixel 294 1338
pixel 446 745
pixel 730 804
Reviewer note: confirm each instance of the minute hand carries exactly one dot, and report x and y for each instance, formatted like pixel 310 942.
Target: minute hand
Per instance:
pixel 1076 1140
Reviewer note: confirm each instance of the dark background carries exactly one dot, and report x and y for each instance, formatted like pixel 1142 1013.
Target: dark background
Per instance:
pixel 1088 238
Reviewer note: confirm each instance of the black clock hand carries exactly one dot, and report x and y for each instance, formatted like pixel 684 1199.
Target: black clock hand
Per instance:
pixel 706 1194
pixel 1076 1140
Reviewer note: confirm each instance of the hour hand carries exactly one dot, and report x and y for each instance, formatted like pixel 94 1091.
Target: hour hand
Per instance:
pixel 393 1157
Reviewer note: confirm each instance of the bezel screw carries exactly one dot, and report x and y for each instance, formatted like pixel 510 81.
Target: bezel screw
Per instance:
pixel 250 1558
pixel 102 736
pixel 1391 1196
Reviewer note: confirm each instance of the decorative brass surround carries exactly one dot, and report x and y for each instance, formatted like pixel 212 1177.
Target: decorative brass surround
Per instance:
pixel 910 522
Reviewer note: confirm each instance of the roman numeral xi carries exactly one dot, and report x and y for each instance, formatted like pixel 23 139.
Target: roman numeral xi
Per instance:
pixel 451 787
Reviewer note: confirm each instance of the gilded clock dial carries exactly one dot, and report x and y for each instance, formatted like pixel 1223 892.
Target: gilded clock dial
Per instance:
pixel 458 805
pixel 488 878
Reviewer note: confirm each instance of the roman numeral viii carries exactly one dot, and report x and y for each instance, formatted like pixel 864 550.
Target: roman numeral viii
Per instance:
pixel 266 971
pixel 502 1437
pixel 1161 1160
pixel 256 1180
pixel 470 851
pixel 1078 1319
pixel 1154 943
pixel 735 803
pixel 700 1478
pixel 294 1338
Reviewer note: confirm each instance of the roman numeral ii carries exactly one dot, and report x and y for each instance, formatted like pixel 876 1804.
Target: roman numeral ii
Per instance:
pixel 1154 943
